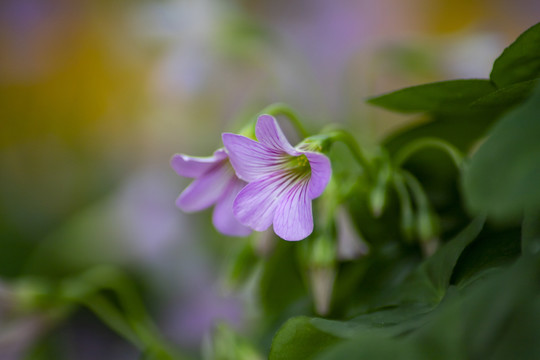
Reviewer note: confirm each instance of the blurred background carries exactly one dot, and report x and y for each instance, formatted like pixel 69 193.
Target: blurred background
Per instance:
pixel 96 96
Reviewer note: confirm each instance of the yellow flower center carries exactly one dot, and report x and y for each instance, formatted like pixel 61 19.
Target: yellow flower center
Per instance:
pixel 299 165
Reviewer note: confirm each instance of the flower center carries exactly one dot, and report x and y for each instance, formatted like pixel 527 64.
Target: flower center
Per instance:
pixel 299 165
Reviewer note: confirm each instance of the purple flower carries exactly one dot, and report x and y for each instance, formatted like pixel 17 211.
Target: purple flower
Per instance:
pixel 282 180
pixel 215 183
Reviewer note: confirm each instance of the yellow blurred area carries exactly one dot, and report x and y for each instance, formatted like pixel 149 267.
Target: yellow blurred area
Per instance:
pixel 63 78
pixel 446 16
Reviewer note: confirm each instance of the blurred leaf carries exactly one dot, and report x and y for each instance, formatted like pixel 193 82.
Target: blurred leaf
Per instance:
pixel 503 176
pixel 369 346
pixel 439 97
pixel 520 61
pixel 506 97
pixel 491 305
pixel 281 283
pixel 491 250
pixel 496 318
pixel 429 282
pixel 299 339
pixel 392 321
pixel 242 265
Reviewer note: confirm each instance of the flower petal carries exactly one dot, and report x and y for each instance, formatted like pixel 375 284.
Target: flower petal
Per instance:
pixel 193 166
pixel 255 205
pixel 293 219
pixel 207 189
pixel 321 170
pixel 251 160
pixel 269 133
pixel 223 217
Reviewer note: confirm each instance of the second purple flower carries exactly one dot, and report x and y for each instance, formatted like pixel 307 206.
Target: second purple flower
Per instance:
pixel 282 180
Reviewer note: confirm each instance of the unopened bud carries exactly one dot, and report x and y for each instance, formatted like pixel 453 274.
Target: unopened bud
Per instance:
pixel 377 196
pixel 351 245
pixel 322 272
pixel 322 285
pixel 428 232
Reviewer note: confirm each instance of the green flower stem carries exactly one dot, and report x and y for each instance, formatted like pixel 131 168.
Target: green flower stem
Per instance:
pixel 407 215
pixel 405 152
pixel 284 109
pixel 113 318
pixel 132 322
pixel 426 225
pixel 349 140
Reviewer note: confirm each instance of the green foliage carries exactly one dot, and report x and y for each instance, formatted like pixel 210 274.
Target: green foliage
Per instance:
pixel 476 297
pixel 300 339
pixel 519 61
pixel 506 97
pixel 504 174
pixel 281 282
pixel 442 97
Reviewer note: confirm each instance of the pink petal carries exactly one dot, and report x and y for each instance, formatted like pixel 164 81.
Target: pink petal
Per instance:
pixel 192 166
pixel 293 219
pixel 207 189
pixel 251 160
pixel 223 217
pixel 255 205
pixel 269 133
pixel 321 171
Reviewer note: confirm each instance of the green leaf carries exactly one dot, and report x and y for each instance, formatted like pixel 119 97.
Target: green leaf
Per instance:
pixel 370 346
pixel 520 61
pixel 506 97
pixel 439 97
pixel 488 307
pixel 503 176
pixel 493 249
pixel 495 318
pixel 391 321
pixel 299 339
pixel 281 283
pixel 428 284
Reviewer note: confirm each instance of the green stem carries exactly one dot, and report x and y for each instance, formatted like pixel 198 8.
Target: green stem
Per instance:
pixel 284 109
pixel 426 220
pixel 407 215
pixel 346 138
pixel 405 152
pixel 418 192
pixel 112 317
pixel 133 323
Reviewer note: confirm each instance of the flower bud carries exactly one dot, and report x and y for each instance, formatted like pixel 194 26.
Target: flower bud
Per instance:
pixel 322 272
pixel 378 195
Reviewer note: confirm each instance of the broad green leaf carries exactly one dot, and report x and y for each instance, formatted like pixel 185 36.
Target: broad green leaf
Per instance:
pixel 371 346
pixel 507 97
pixel 503 176
pixel 281 283
pixel 490 306
pixel 392 321
pixel 495 318
pixel 492 249
pixel 429 282
pixel 520 61
pixel 299 339
pixel 439 97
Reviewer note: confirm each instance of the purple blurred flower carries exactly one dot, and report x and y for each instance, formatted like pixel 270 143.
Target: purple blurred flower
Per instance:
pixel 215 183
pixel 282 180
